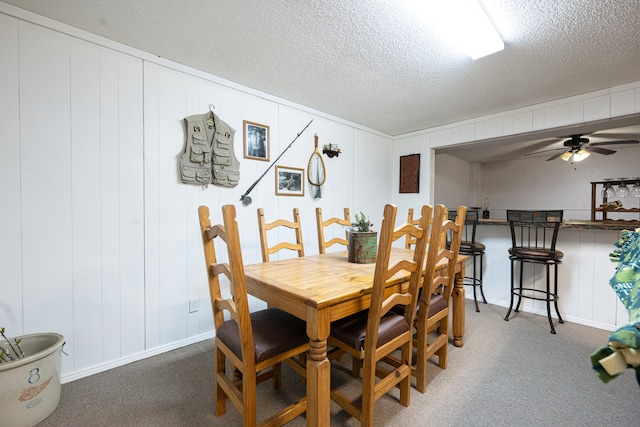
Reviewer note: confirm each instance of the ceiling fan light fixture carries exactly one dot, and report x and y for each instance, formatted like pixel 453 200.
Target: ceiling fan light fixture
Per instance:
pixel 566 155
pixel 581 155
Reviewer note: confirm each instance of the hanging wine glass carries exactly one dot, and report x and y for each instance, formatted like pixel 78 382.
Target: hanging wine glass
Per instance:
pixel 623 190
pixel 635 190
pixel 608 191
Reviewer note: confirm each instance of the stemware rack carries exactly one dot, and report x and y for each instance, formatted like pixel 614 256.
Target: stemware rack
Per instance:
pixel 601 210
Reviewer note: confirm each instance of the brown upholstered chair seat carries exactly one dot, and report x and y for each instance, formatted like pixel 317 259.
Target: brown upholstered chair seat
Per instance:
pixel 536 254
pixel 438 303
pixel 352 330
pixel 274 332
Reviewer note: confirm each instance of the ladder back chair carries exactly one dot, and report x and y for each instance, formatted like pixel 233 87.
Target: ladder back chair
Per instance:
pixel 373 335
pixel 322 224
pixel 256 343
pixel 294 225
pixel 533 240
pixel 409 241
pixel 435 298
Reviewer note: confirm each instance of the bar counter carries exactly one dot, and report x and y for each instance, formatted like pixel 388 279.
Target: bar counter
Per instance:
pixel 578 224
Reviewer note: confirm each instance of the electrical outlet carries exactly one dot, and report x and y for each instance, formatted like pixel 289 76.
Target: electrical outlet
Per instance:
pixel 193 305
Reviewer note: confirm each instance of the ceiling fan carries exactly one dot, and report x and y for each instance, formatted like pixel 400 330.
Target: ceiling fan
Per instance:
pixel 578 148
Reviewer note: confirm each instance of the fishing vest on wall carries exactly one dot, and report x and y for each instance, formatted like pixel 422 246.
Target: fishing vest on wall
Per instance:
pixel 208 156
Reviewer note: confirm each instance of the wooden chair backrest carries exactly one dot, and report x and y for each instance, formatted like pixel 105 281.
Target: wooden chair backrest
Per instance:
pixel 237 304
pixel 410 241
pixel 389 233
pixel 264 226
pixel 442 253
pixel 322 224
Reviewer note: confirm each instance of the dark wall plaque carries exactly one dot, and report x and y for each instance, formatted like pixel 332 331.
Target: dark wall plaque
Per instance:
pixel 410 173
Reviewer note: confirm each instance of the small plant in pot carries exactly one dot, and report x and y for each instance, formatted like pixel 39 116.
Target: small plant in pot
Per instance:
pixel 30 377
pixel 361 224
pixel 363 241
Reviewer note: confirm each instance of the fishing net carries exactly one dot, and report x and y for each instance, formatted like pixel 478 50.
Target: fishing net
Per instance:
pixel 316 172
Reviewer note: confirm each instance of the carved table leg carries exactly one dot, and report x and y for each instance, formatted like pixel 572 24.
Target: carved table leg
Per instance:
pixel 318 369
pixel 458 306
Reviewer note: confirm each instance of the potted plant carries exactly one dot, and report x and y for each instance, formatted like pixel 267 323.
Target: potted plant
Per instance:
pixel 29 377
pixel 363 241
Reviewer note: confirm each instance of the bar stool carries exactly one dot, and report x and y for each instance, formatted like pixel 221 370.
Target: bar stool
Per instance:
pixel 533 240
pixel 475 251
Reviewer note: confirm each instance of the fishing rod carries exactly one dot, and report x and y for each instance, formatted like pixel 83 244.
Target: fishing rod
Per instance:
pixel 245 199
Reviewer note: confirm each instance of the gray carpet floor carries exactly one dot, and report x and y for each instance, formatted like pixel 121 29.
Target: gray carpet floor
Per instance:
pixel 508 373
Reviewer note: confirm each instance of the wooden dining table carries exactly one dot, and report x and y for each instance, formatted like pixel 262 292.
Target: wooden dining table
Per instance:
pixel 323 288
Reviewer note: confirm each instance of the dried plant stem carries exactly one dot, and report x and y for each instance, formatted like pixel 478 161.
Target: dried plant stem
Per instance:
pixel 17 342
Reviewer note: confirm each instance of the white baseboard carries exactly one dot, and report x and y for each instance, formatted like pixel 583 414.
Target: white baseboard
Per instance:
pixel 579 321
pixel 96 369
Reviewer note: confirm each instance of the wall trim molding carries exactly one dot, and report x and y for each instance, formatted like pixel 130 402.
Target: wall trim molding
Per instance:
pixel 543 313
pixel 115 363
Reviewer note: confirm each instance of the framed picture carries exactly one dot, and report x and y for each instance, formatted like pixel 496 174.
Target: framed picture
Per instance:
pixel 289 181
pixel 410 173
pixel 256 141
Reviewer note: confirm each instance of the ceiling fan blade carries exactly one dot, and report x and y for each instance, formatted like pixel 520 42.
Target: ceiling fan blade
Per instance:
pixel 628 141
pixel 558 154
pixel 599 150
pixel 545 151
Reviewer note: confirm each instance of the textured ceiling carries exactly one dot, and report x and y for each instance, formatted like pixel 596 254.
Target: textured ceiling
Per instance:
pixel 376 62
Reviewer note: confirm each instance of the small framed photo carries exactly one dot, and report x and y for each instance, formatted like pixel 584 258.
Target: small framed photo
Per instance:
pixel 289 181
pixel 256 141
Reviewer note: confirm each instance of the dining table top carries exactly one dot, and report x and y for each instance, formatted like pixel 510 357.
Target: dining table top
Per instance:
pixel 319 281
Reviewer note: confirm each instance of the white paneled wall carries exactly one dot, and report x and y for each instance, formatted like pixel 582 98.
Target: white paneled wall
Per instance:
pixel 100 239
pixel 11 284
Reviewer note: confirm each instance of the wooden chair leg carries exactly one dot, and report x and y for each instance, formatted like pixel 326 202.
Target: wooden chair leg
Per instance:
pixel 405 384
pixel 368 395
pixel 249 401
pixel 443 330
pixel 277 375
pixel 355 366
pixel 421 361
pixel 220 397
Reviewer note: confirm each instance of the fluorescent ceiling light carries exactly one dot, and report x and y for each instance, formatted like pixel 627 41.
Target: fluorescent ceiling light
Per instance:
pixel 463 23
pixel 480 37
